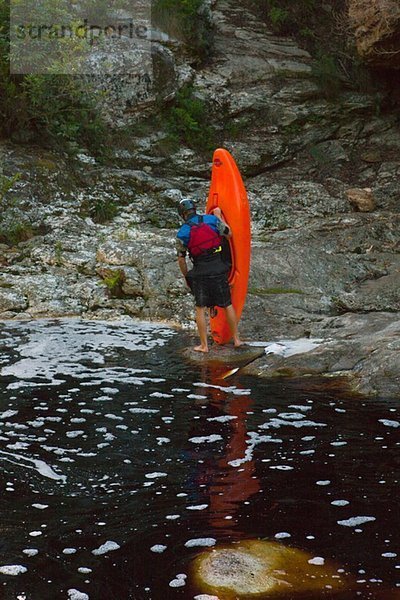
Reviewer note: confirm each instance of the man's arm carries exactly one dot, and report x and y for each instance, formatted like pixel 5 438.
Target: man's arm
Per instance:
pixel 181 252
pixel 182 265
pixel 227 232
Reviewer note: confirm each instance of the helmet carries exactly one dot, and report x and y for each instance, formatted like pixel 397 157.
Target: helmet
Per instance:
pixel 186 206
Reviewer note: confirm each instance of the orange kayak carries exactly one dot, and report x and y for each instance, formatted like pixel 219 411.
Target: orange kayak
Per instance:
pixel 228 193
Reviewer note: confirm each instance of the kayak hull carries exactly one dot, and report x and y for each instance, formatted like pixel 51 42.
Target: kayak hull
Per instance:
pixel 228 193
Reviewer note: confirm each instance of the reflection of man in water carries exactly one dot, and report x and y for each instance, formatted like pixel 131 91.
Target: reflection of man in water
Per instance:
pixel 229 487
pixel 216 481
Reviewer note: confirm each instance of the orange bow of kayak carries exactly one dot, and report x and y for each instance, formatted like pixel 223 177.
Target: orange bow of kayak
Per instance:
pixel 228 193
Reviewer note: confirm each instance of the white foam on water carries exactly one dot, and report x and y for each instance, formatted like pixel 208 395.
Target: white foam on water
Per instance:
pixel 282 467
pixel 69 551
pixel 277 423
pixel 317 560
pixel 143 411
pixel 7 414
pixel 54 350
pixel 12 570
pixel 354 521
pixel 389 555
pixel 108 546
pixel 30 551
pixel 291 416
pixel 206 439
pixel 197 507
pixel 227 389
pixel 40 506
pixel 253 440
pixel 340 502
pixel 282 535
pixel 323 482
pixel 74 594
pixel 84 570
pixel 74 434
pixel 155 475
pixel 160 395
pixel 200 542
pixel 205 597
pixel 162 440
pixel 177 582
pixel 113 417
pixel 389 423
pixel 158 548
pixel 38 465
pixel 222 418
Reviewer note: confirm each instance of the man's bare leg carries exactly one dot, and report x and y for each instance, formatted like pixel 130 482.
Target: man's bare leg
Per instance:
pixel 202 329
pixel 232 322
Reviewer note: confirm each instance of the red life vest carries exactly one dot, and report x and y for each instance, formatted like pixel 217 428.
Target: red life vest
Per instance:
pixel 204 240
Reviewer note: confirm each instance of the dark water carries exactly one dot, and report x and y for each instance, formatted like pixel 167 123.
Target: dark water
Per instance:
pixel 106 436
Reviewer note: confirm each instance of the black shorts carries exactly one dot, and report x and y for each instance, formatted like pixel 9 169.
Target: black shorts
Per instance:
pixel 211 290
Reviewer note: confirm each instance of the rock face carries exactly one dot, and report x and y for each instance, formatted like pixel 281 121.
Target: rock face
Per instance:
pixel 253 567
pixel 377 31
pixel 318 267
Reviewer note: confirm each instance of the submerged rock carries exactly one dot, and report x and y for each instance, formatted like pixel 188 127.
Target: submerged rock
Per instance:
pixel 225 356
pixel 253 568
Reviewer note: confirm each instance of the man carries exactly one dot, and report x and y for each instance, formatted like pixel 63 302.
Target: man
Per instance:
pixel 201 237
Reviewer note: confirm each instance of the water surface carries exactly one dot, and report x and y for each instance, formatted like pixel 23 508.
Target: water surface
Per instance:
pixel 119 463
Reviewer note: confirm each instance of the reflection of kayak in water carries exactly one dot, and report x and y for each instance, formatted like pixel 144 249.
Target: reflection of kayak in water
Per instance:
pixel 228 193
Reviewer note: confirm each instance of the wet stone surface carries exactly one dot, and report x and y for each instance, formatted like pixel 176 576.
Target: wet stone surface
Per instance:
pixel 121 462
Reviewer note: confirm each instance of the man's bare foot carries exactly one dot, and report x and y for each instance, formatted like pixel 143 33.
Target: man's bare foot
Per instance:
pixel 237 343
pixel 201 348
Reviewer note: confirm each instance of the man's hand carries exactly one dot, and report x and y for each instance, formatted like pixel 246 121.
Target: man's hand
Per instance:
pixel 217 213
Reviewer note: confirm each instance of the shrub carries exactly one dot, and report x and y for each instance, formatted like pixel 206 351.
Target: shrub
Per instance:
pixel 186 121
pixel 6 184
pixel 285 16
pixel 114 280
pixel 100 210
pixel 54 109
pixel 15 232
pixel 61 107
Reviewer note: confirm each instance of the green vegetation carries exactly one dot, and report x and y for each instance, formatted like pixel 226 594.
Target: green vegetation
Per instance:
pixel 100 210
pixel 6 184
pixel 285 16
pixel 114 281
pixel 14 232
pixel 58 250
pixel 322 29
pixel 186 122
pixel 51 109
pixel 186 20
